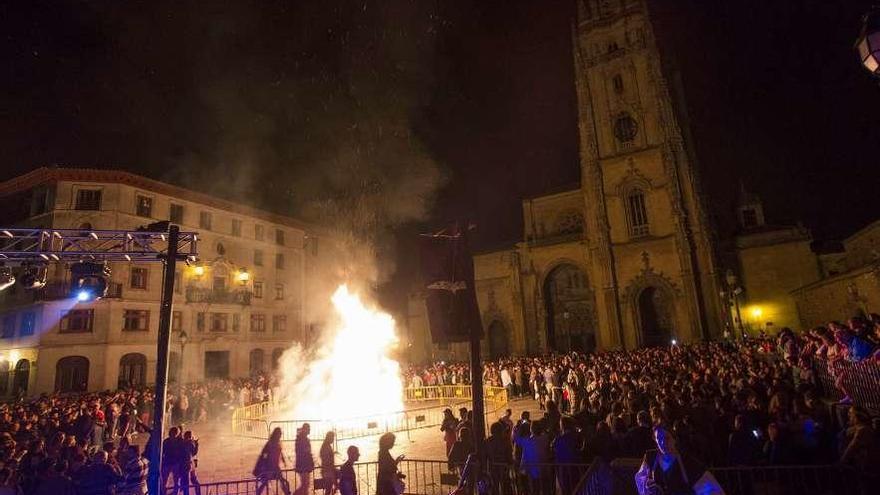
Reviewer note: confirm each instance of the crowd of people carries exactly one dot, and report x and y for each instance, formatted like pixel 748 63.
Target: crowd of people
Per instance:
pixel 747 402
pixel 732 403
pixel 96 442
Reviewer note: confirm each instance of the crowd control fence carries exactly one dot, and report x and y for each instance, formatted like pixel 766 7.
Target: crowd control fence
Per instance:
pixel 258 420
pixel 861 380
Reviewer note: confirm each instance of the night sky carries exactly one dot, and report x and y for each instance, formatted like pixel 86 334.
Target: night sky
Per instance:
pixel 428 110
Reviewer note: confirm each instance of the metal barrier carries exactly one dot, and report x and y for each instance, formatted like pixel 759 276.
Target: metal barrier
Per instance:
pixel 426 477
pixel 794 480
pixel 254 421
pixel 861 380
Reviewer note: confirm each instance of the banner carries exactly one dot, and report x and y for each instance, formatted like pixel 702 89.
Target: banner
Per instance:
pixel 448 279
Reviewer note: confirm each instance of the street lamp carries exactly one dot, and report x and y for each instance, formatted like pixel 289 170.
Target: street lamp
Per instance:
pixel 868 42
pixel 184 338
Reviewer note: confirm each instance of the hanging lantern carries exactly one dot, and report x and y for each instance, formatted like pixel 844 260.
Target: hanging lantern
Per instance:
pixel 868 43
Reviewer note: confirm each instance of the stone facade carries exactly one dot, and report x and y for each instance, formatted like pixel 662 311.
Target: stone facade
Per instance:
pixel 852 287
pixel 773 262
pixel 234 326
pixel 627 258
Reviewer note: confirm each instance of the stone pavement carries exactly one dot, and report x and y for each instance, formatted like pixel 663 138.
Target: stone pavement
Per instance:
pixel 223 456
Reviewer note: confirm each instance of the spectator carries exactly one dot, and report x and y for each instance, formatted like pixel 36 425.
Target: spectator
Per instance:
pixel 97 478
pixel 388 480
pixel 134 473
pixel 269 463
pixel 305 462
pixel 328 463
pixel 347 478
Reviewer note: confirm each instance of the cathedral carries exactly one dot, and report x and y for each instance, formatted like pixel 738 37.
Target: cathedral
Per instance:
pixel 627 258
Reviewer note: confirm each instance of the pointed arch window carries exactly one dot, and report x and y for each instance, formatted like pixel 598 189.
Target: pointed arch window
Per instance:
pixel 637 213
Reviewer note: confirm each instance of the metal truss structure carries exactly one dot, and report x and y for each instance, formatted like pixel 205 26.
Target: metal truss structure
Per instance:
pixel 72 245
pixel 158 242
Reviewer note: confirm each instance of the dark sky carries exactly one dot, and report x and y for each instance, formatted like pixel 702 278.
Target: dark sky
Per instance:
pixel 430 110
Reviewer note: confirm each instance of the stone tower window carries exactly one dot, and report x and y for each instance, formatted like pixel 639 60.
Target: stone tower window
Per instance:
pixel 636 213
pixel 617 84
pixel 625 128
pixel 749 218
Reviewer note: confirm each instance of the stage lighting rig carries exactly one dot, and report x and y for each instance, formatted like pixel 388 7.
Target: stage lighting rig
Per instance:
pixel 6 277
pixel 89 280
pixel 34 277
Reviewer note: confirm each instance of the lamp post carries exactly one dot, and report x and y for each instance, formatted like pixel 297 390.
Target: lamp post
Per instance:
pixel 183 338
pixel 868 43
pixel 735 291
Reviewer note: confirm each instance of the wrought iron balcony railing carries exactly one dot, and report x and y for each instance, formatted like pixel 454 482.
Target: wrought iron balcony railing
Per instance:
pixel 218 296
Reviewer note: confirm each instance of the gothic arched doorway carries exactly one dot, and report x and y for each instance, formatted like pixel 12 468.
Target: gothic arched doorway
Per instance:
pixel 132 370
pixel 72 374
pixel 655 316
pixel 499 340
pixel 21 377
pixel 569 303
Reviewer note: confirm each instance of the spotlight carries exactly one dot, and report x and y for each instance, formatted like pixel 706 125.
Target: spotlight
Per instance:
pixel 6 277
pixel 674 342
pixel 89 281
pixel 34 277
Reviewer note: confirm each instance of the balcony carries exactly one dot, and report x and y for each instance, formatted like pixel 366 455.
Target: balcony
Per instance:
pixel 217 296
pixel 55 291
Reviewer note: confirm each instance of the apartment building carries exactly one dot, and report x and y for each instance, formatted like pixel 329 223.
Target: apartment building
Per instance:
pixel 235 310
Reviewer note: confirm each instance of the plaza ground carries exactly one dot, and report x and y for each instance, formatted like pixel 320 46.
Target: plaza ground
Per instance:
pixel 223 456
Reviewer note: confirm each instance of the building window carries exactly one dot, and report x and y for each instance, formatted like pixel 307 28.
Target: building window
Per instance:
pixel 258 323
pixel 219 322
pixel 258 257
pixel 749 218
pixel 636 213
pixel 617 84
pixel 8 330
pixel 178 282
pixel 279 323
pixel 77 321
pixel 200 322
pixel 279 261
pixel 625 128
pixel 279 237
pixel 205 220
pixel 40 201
pixel 219 284
pixel 221 249
pixel 258 232
pixel 139 278
pixel 236 322
pixel 136 320
pixel 88 199
pixel 236 227
pixel 279 292
pixel 176 321
pixel 258 290
pixel 144 206
pixel 28 324
pixel 175 214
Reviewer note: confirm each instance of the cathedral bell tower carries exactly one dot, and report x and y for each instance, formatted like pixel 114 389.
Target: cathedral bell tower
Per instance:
pixel 648 237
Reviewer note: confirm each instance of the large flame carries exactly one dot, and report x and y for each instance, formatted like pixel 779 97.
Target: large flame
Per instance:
pixel 350 374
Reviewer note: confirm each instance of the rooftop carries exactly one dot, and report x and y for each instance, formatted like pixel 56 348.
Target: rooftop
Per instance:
pixel 48 175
